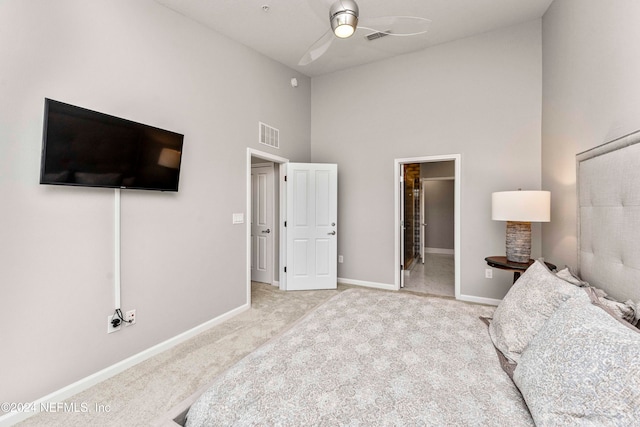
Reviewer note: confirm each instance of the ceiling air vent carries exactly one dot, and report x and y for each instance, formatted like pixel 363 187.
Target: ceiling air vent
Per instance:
pixel 378 35
pixel 269 135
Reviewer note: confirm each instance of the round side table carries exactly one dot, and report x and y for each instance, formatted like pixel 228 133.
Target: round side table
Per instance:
pixel 501 263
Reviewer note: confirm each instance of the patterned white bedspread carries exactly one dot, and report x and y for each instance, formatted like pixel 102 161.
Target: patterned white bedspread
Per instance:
pixel 368 358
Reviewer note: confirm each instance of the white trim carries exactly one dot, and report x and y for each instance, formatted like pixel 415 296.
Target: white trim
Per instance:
pixel 366 284
pixel 275 159
pixel 275 283
pixel 439 251
pixel 479 300
pixel 110 371
pixel 457 158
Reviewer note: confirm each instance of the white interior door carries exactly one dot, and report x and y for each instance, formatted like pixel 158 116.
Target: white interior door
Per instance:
pixel 312 210
pixel 262 230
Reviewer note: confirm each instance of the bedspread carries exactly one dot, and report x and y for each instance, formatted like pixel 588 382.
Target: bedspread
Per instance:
pixel 371 358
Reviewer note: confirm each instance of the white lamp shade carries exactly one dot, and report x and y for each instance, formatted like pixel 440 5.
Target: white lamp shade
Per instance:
pixel 521 206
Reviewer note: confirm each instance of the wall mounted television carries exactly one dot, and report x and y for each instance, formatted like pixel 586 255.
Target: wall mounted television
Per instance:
pixel 86 148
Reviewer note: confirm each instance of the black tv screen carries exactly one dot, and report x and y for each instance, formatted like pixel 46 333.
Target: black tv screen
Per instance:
pixel 86 148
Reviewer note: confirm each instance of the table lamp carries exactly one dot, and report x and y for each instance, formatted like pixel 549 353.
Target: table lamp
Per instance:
pixel 520 209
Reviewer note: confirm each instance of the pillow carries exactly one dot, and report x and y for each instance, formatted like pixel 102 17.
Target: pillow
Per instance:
pixel 525 308
pixel 569 276
pixel 507 365
pixel 628 311
pixel 582 368
pixel 625 313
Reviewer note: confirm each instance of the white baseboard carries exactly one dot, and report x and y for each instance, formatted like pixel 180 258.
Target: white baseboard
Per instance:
pixel 366 284
pixel 479 300
pixel 439 251
pixel 388 287
pixel 108 372
pixel 275 283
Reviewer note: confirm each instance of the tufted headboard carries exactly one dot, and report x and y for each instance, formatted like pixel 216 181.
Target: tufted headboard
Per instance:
pixel 609 216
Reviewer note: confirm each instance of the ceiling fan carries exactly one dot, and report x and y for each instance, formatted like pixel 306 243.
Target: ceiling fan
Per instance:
pixel 344 19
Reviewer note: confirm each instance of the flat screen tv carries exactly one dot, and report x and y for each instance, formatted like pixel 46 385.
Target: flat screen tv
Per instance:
pixel 85 148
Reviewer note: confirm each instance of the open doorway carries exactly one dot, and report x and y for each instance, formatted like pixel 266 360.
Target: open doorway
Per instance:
pixel 427 224
pixel 303 248
pixel 264 227
pixel 435 211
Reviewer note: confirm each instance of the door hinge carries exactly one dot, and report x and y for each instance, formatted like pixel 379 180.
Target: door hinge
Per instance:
pixel 285 269
pixel 285 223
pixel 401 267
pixel 285 178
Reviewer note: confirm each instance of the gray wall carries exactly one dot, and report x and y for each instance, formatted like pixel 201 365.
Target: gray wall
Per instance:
pixel 439 213
pixel 439 204
pixel 480 97
pixel 183 262
pixel 591 93
pixel 437 169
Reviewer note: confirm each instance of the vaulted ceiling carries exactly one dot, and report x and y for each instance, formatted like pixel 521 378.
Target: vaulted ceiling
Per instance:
pixel 284 29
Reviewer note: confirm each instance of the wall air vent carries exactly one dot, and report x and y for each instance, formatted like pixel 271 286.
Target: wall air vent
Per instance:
pixel 378 35
pixel 269 135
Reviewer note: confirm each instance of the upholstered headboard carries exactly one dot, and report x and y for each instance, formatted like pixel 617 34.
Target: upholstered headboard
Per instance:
pixel 609 217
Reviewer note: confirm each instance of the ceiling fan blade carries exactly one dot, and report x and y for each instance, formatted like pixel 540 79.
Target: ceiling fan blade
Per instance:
pixel 317 49
pixel 396 25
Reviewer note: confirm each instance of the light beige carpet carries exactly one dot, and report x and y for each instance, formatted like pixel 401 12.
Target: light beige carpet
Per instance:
pixel 139 395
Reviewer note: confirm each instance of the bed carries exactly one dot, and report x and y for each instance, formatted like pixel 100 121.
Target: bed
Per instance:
pixel 561 348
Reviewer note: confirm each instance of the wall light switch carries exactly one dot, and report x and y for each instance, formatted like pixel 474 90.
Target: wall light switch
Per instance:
pixel 238 218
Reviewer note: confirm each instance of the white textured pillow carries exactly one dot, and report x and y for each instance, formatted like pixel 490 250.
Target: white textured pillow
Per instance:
pixel 569 276
pixel 525 308
pixel 628 311
pixel 582 368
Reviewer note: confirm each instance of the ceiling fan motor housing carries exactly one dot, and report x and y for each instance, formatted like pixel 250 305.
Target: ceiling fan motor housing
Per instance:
pixel 344 12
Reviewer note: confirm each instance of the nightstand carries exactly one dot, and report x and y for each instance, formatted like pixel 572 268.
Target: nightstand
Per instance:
pixel 500 262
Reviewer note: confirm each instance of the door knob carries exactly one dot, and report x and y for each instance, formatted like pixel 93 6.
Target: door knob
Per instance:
pixel 333 233
pixel 266 231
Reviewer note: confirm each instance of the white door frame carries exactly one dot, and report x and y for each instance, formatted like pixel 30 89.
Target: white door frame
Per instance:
pixel 275 159
pixel 397 169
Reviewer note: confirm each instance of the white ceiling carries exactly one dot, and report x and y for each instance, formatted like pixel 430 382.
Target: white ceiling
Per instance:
pixel 289 27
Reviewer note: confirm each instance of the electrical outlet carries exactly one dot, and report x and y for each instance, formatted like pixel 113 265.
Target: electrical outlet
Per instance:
pixel 340 259
pixel 488 273
pixel 110 327
pixel 130 317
